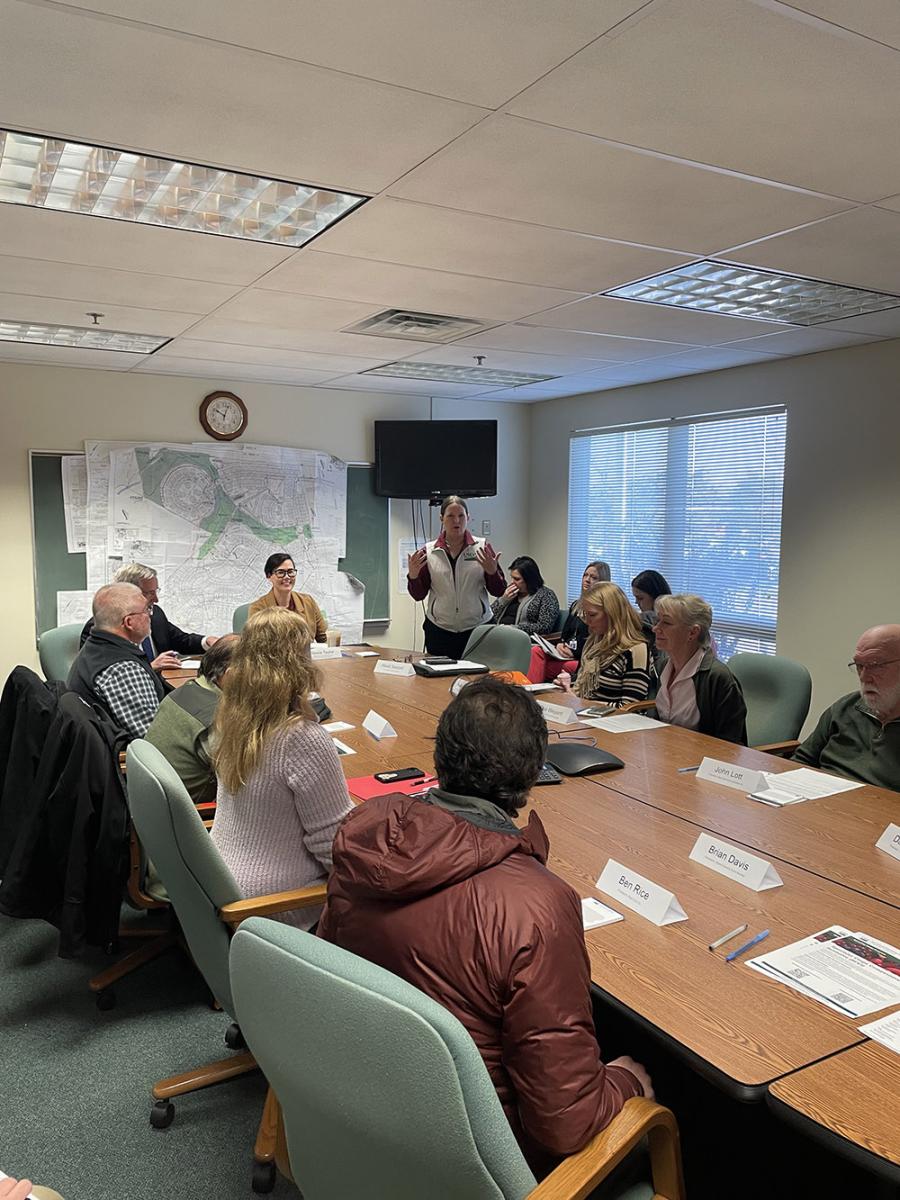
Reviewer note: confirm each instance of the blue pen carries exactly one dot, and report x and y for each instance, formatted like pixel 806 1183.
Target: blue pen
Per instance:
pixel 746 946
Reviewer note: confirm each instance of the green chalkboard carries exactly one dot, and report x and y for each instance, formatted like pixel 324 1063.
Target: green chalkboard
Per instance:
pixel 55 569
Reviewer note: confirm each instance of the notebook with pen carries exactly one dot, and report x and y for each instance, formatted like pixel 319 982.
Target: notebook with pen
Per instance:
pixel 365 787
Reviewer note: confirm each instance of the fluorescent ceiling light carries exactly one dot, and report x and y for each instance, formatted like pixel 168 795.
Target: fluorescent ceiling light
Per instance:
pixel 83 339
pixel 72 177
pixel 737 291
pixel 445 373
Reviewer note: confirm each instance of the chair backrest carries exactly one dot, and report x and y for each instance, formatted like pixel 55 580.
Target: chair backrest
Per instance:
pixel 500 647
pixel 239 618
pixel 383 1092
pixel 777 692
pixel 57 650
pixel 192 871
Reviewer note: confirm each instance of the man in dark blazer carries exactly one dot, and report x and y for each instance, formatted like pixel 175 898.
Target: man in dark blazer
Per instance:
pixel 165 640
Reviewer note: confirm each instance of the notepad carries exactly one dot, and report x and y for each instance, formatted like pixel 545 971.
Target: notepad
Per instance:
pixel 594 914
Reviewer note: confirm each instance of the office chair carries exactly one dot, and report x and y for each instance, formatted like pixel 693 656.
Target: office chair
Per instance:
pixel 384 1093
pixel 777 692
pixel 499 648
pixel 207 902
pixel 57 650
pixel 239 619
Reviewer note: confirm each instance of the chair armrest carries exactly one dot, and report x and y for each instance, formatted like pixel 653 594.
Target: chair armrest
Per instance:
pixel 577 1176
pixel 275 902
pixel 783 748
pixel 635 706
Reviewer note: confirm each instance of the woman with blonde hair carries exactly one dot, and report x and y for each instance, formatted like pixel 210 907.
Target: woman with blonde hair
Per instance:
pixel 281 791
pixel 615 662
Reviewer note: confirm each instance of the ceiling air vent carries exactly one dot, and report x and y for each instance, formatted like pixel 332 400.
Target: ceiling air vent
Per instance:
pixel 416 326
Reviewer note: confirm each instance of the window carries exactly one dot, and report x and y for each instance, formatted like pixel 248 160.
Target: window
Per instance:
pixel 698 500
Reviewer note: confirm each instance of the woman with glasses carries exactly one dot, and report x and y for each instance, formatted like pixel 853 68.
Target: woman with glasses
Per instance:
pixel 615 665
pixel 281 574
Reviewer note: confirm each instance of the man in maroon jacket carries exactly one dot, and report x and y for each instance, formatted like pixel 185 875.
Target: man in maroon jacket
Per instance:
pixel 446 892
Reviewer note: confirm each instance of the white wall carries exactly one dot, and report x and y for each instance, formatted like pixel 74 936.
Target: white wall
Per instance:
pixel 50 408
pixel 840 559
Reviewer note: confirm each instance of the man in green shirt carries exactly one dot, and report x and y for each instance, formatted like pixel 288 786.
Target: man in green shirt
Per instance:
pixel 180 730
pixel 859 735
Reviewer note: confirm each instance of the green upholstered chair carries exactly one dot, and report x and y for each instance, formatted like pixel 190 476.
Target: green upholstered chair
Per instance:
pixel 384 1094
pixel 777 692
pixel 58 649
pixel 500 648
pixel 239 618
pixel 208 903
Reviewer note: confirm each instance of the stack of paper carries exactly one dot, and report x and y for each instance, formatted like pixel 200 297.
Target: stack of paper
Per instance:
pixel 790 787
pixel 624 723
pixel 851 973
pixel 886 1031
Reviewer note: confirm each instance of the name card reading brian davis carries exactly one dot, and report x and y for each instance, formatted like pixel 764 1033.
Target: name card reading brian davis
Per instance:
pixel 640 894
pixel 736 863
pixel 387 666
pixel 744 779
pixel 889 841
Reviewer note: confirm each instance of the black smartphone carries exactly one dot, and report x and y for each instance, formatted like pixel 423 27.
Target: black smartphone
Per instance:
pixel 438 660
pixel 397 776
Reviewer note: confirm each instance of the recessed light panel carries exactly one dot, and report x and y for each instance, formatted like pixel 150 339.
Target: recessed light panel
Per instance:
pixel 445 373
pixel 417 326
pixel 83 339
pixel 72 177
pixel 736 291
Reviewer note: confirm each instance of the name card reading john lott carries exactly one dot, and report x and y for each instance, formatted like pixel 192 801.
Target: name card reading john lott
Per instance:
pixel 732 775
pixel 736 863
pixel 640 894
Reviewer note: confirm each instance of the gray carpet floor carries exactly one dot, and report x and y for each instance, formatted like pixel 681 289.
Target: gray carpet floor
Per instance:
pixel 75 1082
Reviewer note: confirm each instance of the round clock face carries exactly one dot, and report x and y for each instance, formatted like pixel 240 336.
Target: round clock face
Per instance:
pixel 223 415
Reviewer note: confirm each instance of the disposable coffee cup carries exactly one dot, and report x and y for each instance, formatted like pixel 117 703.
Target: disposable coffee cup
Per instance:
pixel 332 637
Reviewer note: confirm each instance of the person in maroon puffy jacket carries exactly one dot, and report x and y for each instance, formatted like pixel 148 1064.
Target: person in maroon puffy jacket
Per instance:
pixel 446 892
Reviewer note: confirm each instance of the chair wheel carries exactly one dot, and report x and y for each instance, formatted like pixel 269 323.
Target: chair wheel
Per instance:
pixel 263 1177
pixel 162 1114
pixel 106 999
pixel 234 1039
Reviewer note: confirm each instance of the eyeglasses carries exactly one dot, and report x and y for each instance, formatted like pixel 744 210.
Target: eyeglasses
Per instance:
pixel 285 574
pixel 859 667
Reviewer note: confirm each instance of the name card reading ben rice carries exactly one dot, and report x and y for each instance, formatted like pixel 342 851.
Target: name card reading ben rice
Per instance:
pixel 387 666
pixel 735 863
pixel 640 894
pixel 744 779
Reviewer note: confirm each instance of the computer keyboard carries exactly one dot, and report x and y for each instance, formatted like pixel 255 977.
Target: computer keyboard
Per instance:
pixel 548 774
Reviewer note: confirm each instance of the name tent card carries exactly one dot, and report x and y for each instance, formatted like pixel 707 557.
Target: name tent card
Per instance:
pixel 640 894
pixel 320 650
pixel 379 728
pixel 558 714
pixel 735 863
pixel 744 779
pixel 889 841
pixel 387 666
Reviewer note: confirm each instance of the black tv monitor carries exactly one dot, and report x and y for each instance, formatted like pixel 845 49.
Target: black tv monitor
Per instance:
pixel 415 460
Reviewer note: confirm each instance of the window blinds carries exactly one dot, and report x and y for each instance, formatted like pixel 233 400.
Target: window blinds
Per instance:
pixel 697 500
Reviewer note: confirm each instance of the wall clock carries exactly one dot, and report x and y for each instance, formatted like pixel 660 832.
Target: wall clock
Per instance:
pixel 223 415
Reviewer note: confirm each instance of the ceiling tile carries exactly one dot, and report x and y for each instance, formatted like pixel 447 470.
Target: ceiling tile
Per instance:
pixel 805 341
pixel 393 286
pixel 267 356
pixel 717 358
pixel 513 168
pixel 631 318
pixel 882 324
pixel 461 354
pixel 303 313
pixel 72 312
pixel 203 101
pixel 877 19
pixel 195 368
pixel 738 85
pixel 69 356
pixel 444 239
pixel 468 50
pixel 537 340
pixel 858 247
pixel 891 202
pixel 404 387
pixel 289 337
pixel 100 286
pixel 96 242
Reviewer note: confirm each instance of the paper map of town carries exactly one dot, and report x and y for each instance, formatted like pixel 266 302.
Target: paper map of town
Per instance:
pixel 208 516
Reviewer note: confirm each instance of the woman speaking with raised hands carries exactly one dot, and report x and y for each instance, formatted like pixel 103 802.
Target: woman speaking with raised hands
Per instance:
pixel 454 574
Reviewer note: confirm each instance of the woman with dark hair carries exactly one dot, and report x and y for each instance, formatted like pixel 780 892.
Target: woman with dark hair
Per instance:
pixel 281 573
pixel 454 575
pixel 527 603
pixel 647 587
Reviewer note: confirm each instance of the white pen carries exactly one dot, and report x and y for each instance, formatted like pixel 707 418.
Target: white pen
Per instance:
pixel 726 937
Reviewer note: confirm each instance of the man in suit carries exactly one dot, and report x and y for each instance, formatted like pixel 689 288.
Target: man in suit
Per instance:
pixel 165 641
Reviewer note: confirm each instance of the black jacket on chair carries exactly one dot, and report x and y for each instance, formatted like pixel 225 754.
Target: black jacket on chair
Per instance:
pixel 70 860
pixel 165 635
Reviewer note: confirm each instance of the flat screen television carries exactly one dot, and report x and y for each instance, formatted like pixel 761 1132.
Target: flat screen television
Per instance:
pixel 415 460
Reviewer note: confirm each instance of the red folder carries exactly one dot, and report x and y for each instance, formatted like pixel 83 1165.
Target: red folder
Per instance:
pixel 364 787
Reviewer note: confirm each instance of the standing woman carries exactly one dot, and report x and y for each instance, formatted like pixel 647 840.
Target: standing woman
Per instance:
pixel 615 662
pixel 281 574
pixel 281 792
pixel 455 572
pixel 527 603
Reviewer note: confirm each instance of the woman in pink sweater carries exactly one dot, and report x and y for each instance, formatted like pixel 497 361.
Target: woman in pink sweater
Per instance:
pixel 281 791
